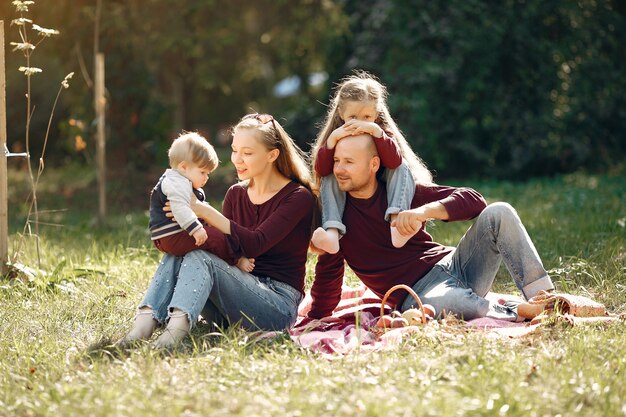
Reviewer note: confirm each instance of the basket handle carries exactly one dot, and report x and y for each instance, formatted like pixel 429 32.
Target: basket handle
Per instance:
pixel 410 291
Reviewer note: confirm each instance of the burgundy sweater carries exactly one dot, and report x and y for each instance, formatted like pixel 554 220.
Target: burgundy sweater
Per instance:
pixel 387 148
pixel 276 233
pixel 368 250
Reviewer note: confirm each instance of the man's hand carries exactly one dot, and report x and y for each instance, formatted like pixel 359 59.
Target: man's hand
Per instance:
pixel 407 222
pixel 410 221
pixel 200 236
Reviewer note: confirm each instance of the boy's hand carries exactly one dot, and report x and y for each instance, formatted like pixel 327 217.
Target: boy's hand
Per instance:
pixel 358 127
pixel 200 236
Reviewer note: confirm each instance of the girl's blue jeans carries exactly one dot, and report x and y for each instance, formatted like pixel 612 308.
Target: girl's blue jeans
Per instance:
pixel 459 282
pixel 202 283
pixel 400 192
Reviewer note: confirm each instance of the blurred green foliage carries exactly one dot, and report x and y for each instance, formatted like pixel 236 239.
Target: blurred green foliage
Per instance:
pixel 509 89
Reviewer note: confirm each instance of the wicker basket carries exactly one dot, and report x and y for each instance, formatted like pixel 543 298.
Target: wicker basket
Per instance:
pixel 411 292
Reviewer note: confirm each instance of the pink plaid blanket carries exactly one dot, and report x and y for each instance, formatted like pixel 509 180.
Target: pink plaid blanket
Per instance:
pixel 351 326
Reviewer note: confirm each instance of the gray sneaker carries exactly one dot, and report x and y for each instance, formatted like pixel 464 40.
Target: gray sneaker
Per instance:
pixel 507 312
pixel 512 305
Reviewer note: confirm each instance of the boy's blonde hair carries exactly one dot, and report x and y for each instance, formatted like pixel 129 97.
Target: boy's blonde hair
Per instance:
pixel 194 148
pixel 291 161
pixel 362 87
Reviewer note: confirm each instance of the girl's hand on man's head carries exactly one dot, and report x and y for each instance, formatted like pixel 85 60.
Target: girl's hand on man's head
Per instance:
pixel 337 134
pixel 359 127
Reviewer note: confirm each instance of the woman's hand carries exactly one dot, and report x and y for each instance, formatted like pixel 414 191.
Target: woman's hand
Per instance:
pixel 213 217
pixel 198 207
pixel 167 208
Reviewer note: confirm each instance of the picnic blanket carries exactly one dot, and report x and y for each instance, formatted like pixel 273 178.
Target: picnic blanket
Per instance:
pixel 351 327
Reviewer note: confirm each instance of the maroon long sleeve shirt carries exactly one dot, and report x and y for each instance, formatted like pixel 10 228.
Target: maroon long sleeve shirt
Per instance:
pixel 367 248
pixel 387 148
pixel 276 233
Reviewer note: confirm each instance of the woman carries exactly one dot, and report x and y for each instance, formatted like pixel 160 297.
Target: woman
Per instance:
pixel 267 217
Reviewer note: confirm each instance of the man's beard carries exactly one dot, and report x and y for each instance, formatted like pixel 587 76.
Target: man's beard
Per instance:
pixel 350 186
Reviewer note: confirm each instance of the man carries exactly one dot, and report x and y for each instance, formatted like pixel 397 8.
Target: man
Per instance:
pixel 454 280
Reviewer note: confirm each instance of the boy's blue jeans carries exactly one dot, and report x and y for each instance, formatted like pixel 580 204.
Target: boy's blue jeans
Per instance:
pixel 459 282
pixel 400 192
pixel 200 282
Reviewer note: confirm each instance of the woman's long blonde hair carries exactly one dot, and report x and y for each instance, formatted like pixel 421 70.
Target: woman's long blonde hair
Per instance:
pixel 363 86
pixel 291 161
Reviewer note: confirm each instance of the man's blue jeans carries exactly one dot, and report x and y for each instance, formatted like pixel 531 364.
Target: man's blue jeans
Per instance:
pixel 459 282
pixel 200 282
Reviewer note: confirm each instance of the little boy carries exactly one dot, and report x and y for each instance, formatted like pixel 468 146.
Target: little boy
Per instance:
pixel 191 158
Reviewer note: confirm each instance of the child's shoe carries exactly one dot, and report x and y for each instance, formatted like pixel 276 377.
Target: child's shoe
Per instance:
pixel 326 240
pixel 398 240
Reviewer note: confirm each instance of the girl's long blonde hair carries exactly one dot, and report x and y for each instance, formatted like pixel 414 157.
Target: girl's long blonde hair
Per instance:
pixel 291 161
pixel 363 86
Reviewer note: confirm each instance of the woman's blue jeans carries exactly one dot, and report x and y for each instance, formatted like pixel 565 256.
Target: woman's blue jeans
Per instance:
pixel 459 282
pixel 202 283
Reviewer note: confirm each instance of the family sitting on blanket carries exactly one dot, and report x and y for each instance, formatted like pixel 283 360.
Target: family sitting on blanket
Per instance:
pixel 377 196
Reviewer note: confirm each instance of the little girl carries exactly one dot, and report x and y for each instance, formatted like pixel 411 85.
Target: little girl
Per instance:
pixel 360 106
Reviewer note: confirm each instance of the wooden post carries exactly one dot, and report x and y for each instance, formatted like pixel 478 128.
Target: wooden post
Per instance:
pixel 100 106
pixel 4 207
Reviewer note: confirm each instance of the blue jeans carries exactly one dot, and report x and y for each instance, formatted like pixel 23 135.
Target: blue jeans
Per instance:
pixel 400 192
pixel 459 282
pixel 200 282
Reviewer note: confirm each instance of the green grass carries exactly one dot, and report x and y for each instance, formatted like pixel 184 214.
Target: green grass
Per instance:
pixel 55 328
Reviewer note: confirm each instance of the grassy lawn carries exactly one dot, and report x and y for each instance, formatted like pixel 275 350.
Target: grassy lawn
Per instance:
pixel 55 326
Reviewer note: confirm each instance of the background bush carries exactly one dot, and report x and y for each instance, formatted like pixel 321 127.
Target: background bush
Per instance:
pixel 515 88
pixel 510 89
